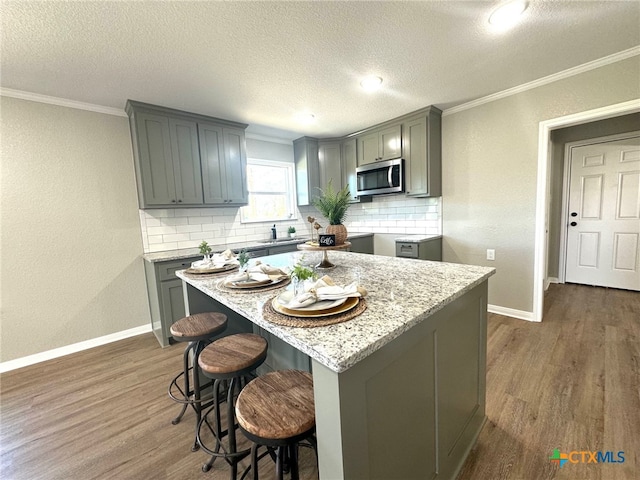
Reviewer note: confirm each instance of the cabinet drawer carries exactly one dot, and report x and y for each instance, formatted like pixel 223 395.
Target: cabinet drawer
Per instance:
pixel 167 270
pixel 407 250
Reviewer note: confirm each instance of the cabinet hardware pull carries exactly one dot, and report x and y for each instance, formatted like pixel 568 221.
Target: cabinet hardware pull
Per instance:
pixel 179 201
pixel 173 201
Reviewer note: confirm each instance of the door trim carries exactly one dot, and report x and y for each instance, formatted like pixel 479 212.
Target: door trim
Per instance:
pixel 566 179
pixel 542 192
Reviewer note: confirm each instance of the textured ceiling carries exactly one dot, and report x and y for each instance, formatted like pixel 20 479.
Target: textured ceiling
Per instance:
pixel 264 62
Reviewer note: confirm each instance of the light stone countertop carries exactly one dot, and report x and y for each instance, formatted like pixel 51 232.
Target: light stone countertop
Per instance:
pixel 417 238
pixel 401 293
pixel 182 253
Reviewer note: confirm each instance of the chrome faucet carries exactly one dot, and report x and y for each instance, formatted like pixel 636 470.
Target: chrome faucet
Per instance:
pixel 274 235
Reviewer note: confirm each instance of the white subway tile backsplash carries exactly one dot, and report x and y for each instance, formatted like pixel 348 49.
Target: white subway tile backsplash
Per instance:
pixel 161 247
pixel 165 230
pixel 186 228
pixel 175 221
pixel 155 239
pixel 200 220
pixel 178 237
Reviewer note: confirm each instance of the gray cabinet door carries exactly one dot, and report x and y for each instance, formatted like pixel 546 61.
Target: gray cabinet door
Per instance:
pixel 186 162
pixel 213 165
pixel 380 144
pixel 172 304
pixel 155 160
pixel 390 143
pixel 330 165
pixel 235 158
pixel 368 148
pixel 423 155
pixel 415 149
pixel 349 164
pixel 305 154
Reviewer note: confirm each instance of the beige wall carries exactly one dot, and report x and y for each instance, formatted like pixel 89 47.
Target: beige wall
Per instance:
pixel 490 160
pixel 70 241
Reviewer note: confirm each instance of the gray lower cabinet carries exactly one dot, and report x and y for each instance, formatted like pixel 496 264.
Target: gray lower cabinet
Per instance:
pixel 424 250
pixel 185 160
pixel 362 244
pixel 166 302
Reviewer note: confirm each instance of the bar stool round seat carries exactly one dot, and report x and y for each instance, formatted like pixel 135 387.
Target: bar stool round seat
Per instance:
pixel 277 410
pixel 198 327
pixel 199 330
pixel 229 361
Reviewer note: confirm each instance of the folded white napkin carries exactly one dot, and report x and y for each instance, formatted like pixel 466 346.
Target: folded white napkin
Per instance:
pixel 217 260
pixel 325 289
pixel 260 272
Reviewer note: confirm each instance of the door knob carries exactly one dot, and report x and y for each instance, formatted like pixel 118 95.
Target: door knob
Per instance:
pixel 574 214
pixel 573 224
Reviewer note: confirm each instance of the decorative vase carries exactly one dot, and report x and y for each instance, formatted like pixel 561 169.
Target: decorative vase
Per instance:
pixel 340 231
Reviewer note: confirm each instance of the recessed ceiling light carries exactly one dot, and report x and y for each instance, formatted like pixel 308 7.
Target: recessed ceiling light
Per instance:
pixel 371 83
pixel 507 13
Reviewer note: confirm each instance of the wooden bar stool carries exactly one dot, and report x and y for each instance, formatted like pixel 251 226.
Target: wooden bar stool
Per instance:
pixel 199 330
pixel 229 361
pixel 277 410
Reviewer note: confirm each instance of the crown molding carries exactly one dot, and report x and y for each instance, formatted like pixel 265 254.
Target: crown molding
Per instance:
pixel 268 138
pixel 585 67
pixel 61 102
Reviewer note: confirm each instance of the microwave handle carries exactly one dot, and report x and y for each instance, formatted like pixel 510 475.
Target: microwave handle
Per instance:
pixel 390 176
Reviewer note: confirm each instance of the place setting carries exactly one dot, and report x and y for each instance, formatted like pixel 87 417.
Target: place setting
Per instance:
pixel 213 264
pixel 316 303
pixel 259 277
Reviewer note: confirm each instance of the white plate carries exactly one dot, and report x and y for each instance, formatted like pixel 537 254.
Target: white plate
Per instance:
pixel 284 298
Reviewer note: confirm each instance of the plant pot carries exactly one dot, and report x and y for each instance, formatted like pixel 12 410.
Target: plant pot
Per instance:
pixel 292 235
pixel 340 231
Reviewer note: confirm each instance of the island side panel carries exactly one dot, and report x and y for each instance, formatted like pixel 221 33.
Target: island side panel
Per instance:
pixel 389 415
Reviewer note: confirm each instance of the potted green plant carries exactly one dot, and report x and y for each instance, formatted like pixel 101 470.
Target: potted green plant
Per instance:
pixel 292 232
pixel 205 249
pixel 333 205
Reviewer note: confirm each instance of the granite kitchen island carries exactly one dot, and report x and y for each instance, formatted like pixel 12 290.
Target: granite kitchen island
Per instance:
pixel 400 389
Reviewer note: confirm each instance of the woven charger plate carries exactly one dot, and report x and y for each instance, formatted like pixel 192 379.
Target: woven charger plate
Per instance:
pixel 221 286
pixel 309 322
pixel 221 273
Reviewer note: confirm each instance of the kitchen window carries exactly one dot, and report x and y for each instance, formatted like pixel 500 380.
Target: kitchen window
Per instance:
pixel 271 191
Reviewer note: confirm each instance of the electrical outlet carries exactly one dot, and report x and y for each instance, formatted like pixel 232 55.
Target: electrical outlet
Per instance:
pixel 491 254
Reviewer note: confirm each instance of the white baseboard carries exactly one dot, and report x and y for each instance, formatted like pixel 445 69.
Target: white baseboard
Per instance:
pixel 511 312
pixel 553 280
pixel 73 348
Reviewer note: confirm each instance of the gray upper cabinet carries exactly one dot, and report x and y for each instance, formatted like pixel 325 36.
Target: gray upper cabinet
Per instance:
pixel 305 154
pixel 235 160
pixel 168 166
pixel 184 159
pixel 224 164
pixel 330 164
pixel 380 144
pixel 422 152
pixel 349 164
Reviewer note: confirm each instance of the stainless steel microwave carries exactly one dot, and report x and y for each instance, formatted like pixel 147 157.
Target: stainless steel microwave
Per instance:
pixel 380 177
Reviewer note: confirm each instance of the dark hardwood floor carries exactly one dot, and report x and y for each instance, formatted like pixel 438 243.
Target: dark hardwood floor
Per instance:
pixel 571 382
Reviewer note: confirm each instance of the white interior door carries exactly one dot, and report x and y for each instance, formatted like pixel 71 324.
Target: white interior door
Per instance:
pixel 603 237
